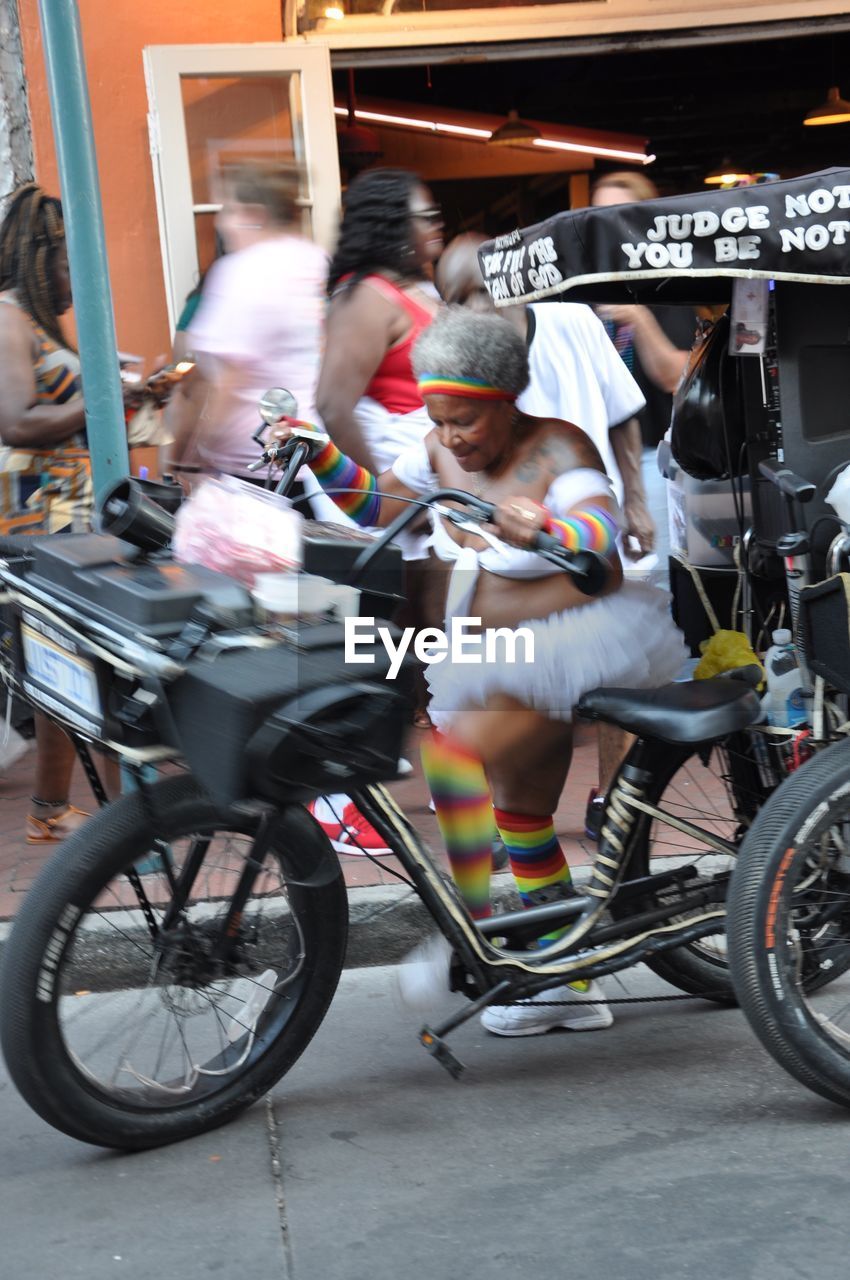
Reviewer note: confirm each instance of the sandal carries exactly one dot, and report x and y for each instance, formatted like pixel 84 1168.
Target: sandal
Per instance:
pixel 56 829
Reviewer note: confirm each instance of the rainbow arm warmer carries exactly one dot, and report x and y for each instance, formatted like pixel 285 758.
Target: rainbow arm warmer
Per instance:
pixel 585 529
pixel 334 470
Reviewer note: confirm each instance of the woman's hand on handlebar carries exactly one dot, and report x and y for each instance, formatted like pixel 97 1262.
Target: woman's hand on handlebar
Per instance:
pixel 286 429
pixel 519 521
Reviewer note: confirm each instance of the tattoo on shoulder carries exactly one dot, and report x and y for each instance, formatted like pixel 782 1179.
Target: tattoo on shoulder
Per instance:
pixel 562 450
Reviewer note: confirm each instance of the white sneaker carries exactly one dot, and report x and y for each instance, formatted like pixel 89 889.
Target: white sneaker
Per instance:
pixel 533 1018
pixel 423 975
pixel 12 747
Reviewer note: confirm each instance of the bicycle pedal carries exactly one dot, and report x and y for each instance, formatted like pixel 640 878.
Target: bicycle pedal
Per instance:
pixel 440 1050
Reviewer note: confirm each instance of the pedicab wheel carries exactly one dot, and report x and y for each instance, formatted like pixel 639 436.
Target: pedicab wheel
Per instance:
pixel 129 1023
pixel 789 925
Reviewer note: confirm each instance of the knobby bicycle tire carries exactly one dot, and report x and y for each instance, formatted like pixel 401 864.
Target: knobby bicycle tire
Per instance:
pixel 81 925
pixel 789 925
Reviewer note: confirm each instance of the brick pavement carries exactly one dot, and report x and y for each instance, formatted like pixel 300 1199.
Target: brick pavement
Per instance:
pixel 20 863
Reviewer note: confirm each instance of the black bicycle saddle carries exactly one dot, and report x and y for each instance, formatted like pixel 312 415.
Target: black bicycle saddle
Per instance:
pixel 688 712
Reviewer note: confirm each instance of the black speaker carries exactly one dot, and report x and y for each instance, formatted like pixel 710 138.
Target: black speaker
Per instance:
pixel 126 511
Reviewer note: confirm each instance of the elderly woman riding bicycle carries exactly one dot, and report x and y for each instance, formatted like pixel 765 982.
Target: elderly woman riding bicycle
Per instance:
pixel 503 739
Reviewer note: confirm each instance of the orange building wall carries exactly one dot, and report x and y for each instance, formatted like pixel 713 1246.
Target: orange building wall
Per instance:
pixel 114 34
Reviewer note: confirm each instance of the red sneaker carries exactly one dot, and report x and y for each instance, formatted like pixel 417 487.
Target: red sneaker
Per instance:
pixel 360 836
pixel 346 828
pixel 328 811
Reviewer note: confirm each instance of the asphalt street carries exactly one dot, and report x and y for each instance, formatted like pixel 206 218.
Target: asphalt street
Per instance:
pixel 667 1146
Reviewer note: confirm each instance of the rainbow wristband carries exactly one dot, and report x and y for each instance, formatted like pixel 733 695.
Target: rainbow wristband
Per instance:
pixel 585 529
pixel 334 470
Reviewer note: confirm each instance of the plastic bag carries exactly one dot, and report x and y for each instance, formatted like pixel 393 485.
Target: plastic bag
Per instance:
pixel 707 427
pixel 839 496
pixel 726 651
pixel 238 529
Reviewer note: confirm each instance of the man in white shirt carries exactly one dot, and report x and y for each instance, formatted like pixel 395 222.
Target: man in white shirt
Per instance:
pixel 578 376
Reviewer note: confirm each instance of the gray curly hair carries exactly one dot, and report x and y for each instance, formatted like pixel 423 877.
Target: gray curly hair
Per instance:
pixel 462 344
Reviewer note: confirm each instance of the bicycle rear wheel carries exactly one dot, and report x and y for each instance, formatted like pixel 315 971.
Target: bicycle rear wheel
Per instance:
pixel 717 789
pixel 128 1024
pixel 789 925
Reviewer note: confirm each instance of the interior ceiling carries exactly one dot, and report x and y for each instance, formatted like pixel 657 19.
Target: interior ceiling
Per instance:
pixel 741 101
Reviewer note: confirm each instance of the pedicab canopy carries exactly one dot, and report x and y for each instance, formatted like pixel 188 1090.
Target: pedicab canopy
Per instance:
pixel 680 249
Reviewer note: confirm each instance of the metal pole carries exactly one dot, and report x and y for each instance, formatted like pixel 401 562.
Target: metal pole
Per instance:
pixel 72 128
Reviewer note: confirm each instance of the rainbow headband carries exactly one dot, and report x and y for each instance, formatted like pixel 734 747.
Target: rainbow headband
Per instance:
pixel 430 384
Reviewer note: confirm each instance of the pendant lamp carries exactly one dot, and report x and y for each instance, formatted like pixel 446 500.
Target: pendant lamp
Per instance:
pixel 725 175
pixel 834 111
pixel 513 133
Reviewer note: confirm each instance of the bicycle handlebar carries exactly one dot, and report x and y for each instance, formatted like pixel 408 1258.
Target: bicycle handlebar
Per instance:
pixel 587 569
pixel 303 442
pixel 786 481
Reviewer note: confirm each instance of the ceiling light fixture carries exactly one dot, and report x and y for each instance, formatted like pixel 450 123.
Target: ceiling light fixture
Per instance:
pixel 834 111
pixel 608 153
pixel 443 127
pixel 514 133
pixel 726 175
pixel 334 13
pixel 411 122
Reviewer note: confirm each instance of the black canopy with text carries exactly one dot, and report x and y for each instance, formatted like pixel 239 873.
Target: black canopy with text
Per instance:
pixel 683 249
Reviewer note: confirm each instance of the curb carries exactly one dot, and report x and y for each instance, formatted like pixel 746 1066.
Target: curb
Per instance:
pixel 385 922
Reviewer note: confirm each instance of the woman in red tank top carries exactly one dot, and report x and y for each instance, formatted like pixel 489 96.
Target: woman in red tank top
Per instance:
pixel 391 232
pixel 380 301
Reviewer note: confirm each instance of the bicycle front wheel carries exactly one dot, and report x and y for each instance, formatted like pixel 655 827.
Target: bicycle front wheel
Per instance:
pixel 789 925
pixel 164 973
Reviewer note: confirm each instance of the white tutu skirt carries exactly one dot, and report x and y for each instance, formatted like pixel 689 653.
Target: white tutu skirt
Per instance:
pixel 626 640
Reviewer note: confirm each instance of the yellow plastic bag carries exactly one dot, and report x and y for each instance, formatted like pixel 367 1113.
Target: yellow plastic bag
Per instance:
pixel 726 651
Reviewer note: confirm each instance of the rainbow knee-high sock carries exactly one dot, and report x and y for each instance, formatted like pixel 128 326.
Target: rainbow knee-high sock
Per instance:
pixel 465 814
pixel 537 860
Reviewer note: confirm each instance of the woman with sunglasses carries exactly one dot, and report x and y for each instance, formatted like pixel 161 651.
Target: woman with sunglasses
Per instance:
pixel 381 299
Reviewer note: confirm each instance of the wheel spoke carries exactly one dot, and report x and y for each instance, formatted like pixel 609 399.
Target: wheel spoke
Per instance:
pixel 179 1021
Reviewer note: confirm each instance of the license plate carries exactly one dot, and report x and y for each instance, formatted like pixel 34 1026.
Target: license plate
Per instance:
pixel 63 674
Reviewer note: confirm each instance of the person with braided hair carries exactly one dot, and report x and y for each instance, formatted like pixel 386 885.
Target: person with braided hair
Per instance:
pixel 381 299
pixel 45 472
pixel 45 479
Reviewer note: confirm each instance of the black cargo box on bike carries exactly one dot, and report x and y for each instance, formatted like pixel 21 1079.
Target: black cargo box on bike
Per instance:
pixel 168 661
pixel 292 721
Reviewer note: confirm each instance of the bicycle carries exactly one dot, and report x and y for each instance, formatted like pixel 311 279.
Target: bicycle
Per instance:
pixel 177 955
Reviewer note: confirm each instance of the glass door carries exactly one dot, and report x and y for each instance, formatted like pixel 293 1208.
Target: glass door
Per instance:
pixel 211 105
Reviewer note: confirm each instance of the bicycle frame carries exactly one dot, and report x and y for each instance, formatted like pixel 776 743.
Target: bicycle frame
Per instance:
pixel 588 947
